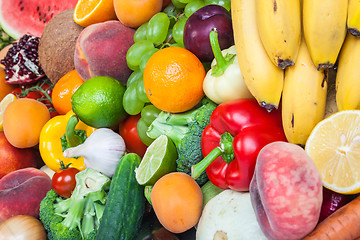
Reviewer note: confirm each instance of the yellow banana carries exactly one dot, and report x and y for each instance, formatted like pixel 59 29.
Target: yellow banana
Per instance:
pixel 279 24
pixel 324 25
pixel 348 75
pixel 263 79
pixel 353 18
pixel 304 97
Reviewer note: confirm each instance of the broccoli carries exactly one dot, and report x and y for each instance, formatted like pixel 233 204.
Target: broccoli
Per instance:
pixel 77 217
pixel 185 130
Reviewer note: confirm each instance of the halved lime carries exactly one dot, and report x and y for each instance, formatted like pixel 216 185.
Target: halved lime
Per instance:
pixel 159 159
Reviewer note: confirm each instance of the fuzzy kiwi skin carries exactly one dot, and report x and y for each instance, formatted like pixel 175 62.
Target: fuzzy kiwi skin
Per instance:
pixel 57 45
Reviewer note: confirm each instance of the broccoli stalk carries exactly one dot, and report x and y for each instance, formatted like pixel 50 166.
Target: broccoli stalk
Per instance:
pixel 185 130
pixel 81 213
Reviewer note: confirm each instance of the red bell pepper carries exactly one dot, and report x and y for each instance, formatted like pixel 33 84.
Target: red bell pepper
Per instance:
pixel 237 131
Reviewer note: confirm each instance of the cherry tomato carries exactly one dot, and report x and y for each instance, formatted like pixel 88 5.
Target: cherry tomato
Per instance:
pixel 64 182
pixel 40 91
pixel 128 131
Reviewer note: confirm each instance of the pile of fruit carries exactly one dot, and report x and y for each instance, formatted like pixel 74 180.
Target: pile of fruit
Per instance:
pixel 179 119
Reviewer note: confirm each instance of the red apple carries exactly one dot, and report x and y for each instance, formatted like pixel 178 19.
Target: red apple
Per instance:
pixel 12 158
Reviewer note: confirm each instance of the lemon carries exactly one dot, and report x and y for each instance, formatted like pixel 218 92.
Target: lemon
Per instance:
pixel 334 146
pixel 3 104
pixel 159 159
pixel 98 102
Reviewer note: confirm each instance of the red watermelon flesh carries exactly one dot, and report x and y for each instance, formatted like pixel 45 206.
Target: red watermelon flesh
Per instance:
pixel 19 17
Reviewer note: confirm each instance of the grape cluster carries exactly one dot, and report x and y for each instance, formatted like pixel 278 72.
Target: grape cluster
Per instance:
pixel 164 29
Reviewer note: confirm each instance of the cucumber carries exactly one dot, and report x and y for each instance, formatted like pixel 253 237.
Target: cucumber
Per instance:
pixel 124 208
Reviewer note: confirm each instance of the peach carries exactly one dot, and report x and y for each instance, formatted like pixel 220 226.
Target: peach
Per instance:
pixel 21 192
pixel 101 51
pixel 286 191
pixel 12 158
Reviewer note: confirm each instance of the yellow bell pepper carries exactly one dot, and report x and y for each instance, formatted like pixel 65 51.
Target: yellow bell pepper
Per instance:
pixel 50 143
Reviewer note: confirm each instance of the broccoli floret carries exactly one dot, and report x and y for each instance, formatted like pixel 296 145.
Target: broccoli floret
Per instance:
pixel 185 130
pixel 77 217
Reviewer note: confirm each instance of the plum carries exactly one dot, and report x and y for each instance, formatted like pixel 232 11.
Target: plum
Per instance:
pixel 332 201
pixel 286 191
pixel 198 27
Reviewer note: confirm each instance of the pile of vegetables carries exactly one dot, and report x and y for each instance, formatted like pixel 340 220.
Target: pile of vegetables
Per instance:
pixel 95 194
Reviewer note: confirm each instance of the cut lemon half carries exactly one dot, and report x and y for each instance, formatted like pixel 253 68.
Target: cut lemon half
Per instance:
pixel 334 146
pixel 159 159
pixel 3 104
pixel 88 12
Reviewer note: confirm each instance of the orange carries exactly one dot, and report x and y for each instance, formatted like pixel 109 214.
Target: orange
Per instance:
pixel 23 121
pixel 88 12
pixel 63 91
pixel 173 79
pixel 134 13
pixel 5 88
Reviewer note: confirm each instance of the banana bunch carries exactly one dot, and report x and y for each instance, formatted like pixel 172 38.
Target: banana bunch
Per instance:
pixel 285 50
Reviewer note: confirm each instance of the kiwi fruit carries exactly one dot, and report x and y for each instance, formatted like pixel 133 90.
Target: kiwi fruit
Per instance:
pixel 57 45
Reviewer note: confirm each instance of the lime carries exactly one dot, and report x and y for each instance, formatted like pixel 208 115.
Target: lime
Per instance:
pixel 159 159
pixel 98 102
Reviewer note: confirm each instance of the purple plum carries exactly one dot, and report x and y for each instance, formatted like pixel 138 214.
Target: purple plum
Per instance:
pixel 198 27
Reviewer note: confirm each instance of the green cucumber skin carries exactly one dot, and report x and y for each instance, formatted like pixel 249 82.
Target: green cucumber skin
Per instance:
pixel 124 208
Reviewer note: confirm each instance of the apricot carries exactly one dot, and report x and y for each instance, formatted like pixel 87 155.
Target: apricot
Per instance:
pixel 177 201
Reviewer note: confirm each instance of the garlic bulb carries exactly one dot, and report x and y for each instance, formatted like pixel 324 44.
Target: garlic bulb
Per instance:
pixel 102 151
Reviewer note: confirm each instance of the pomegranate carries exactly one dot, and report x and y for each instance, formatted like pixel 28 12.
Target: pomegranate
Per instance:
pixel 22 61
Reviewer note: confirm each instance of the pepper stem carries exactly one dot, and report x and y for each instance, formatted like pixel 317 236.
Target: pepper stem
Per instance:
pixel 225 150
pixel 72 139
pixel 222 63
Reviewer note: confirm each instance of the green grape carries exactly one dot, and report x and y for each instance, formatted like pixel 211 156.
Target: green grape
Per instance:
pixel 224 3
pixel 134 76
pixel 146 57
pixel 177 45
pixel 131 103
pixel 140 91
pixel 172 13
pixel 135 52
pixel 186 1
pixel 193 6
pixel 149 113
pixel 178 30
pixel 169 37
pixel 157 28
pixel 178 4
pixel 140 33
pixel 141 128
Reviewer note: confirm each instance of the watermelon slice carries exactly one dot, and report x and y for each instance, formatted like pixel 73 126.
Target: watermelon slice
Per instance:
pixel 19 17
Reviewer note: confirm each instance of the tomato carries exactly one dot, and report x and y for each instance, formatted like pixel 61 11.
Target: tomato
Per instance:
pixel 40 91
pixel 64 182
pixel 128 131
